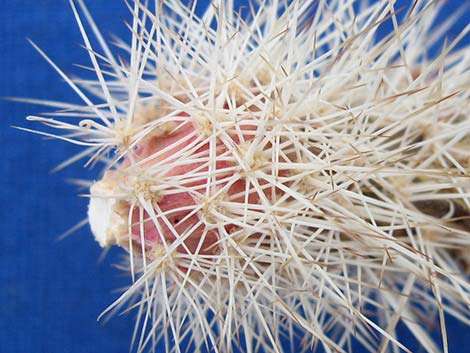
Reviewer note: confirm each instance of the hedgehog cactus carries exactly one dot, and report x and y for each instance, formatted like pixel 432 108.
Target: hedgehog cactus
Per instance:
pixel 283 180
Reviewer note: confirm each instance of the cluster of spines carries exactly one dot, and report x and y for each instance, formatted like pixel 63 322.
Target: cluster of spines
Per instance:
pixel 356 151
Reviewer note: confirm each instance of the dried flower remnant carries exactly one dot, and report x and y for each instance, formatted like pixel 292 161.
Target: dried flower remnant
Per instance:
pixel 286 178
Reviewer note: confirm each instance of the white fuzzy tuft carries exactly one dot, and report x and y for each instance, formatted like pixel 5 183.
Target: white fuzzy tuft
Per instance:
pixel 104 215
pixel 100 216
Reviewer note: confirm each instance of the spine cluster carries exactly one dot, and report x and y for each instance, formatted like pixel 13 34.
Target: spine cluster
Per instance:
pixel 291 177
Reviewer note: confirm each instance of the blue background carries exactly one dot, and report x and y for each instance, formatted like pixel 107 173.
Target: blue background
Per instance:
pixel 51 292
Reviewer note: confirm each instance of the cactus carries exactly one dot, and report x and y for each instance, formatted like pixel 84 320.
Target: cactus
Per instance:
pixel 284 177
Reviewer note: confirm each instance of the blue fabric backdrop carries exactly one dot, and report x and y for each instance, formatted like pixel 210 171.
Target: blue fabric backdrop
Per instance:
pixel 51 292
